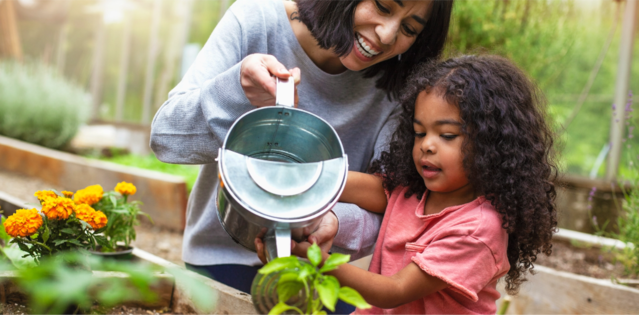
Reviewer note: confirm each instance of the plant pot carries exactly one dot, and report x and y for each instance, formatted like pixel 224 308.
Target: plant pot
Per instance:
pixel 120 253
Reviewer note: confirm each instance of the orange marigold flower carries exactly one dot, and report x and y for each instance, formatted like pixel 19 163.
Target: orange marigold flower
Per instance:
pixel 42 194
pixel 58 208
pixel 67 194
pixel 23 223
pixel 86 213
pixel 89 195
pixel 126 189
pixel 99 220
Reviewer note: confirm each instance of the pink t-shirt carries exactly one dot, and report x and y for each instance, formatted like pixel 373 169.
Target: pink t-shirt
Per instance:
pixel 463 245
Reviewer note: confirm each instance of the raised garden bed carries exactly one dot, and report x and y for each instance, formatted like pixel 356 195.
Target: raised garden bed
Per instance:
pixel 174 295
pixel 551 291
pixel 163 196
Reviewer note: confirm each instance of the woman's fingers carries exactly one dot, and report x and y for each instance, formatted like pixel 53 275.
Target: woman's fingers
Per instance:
pixel 257 77
pixel 259 246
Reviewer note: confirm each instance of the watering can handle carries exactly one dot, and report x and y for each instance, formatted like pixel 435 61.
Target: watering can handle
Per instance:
pixel 285 95
pixel 278 243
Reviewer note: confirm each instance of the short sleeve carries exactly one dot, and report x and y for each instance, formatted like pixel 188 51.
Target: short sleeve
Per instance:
pixel 464 262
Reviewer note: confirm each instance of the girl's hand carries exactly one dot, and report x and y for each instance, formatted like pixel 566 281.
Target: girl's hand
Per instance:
pixel 257 78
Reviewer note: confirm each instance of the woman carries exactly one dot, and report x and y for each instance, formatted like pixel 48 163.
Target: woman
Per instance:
pixel 354 56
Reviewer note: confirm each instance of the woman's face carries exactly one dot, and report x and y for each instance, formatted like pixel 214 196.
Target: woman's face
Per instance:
pixel 384 29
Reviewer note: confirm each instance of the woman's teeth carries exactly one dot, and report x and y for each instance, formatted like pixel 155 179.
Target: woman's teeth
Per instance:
pixel 364 48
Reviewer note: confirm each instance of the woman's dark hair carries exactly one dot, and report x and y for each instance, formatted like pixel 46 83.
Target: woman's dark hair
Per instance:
pixel 508 149
pixel 331 23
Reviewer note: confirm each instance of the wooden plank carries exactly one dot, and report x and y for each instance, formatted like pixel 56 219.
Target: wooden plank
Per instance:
pixel 555 292
pixel 9 36
pixel 163 196
pixel 227 300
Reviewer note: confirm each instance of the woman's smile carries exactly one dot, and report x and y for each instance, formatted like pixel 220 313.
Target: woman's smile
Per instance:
pixel 365 47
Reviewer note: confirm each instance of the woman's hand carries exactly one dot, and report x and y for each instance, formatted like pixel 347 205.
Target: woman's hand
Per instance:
pixel 258 82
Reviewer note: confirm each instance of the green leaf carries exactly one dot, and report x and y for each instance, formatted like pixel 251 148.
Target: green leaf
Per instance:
pixel 321 312
pixel 305 272
pixel 328 289
pixel 333 261
pixel 16 256
pixel 69 231
pixel 280 263
pixel 287 289
pixel 3 233
pixel 46 234
pixel 280 308
pixel 352 297
pixel 314 255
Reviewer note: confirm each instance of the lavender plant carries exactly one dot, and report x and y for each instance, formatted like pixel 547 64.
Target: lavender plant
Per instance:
pixel 628 219
pixel 39 106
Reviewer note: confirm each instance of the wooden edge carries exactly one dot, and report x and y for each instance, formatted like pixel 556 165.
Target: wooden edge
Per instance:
pixel 79 160
pixel 593 240
pixel 551 291
pixel 228 300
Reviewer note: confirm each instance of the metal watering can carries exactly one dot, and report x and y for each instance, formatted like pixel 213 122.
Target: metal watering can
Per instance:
pixel 281 169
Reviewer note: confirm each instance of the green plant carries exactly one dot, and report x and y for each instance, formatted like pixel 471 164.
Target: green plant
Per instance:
pixel 63 284
pixel 122 215
pixel 61 225
pixel 40 106
pixel 150 162
pixel 297 276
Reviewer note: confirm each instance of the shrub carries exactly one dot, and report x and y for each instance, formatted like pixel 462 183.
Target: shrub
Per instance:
pixel 39 106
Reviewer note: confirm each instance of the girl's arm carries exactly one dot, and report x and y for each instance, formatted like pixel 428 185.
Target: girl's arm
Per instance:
pixel 409 284
pixel 366 191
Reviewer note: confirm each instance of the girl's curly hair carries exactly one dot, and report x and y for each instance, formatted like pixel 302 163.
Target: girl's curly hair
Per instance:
pixel 508 149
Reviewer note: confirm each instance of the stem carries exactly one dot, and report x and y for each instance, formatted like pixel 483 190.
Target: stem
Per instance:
pixel 41 244
pixel 504 305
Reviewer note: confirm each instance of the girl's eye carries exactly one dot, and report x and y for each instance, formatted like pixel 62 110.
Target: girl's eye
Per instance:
pixel 408 30
pixel 420 134
pixel 381 8
pixel 449 137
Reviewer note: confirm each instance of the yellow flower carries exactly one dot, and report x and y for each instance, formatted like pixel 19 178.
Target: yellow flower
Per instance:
pixel 23 223
pixel 86 213
pixel 126 189
pixel 99 220
pixel 42 194
pixel 58 208
pixel 67 194
pixel 89 195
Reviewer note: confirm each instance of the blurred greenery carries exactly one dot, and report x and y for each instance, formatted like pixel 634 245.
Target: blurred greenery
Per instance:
pixel 150 162
pixel 556 42
pixel 38 105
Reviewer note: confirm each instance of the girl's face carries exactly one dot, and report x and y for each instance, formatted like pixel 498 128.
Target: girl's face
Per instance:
pixel 384 29
pixel 438 142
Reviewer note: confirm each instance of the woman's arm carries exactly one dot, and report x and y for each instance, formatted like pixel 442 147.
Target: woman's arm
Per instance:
pixel 366 191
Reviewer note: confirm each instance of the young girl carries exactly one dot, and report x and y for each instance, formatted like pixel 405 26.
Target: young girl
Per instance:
pixel 467 192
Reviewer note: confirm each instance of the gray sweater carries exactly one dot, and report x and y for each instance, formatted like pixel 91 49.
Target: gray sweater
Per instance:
pixel 191 125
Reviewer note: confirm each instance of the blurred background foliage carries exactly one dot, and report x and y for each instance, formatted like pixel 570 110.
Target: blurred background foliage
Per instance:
pixel 557 42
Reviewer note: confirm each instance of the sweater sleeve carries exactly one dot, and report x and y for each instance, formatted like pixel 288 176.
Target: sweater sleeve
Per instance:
pixel 191 125
pixel 358 228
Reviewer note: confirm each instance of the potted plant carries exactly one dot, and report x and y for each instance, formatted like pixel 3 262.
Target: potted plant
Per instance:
pixel 62 224
pixel 122 217
pixel 290 284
